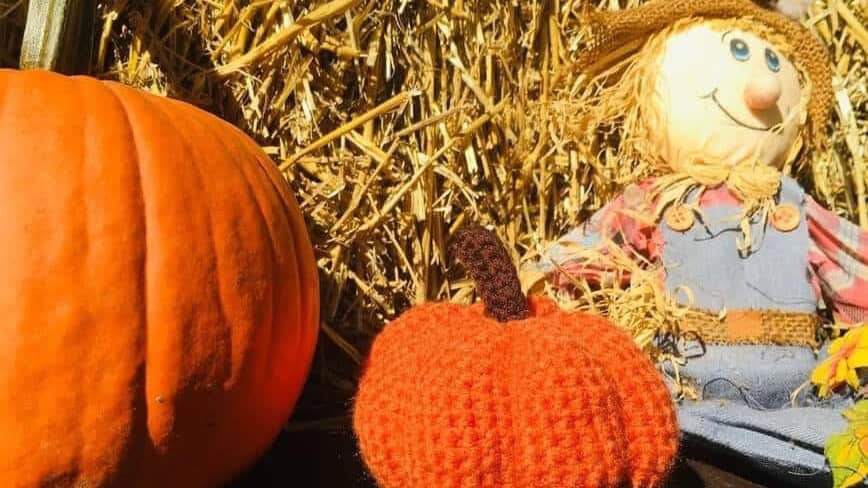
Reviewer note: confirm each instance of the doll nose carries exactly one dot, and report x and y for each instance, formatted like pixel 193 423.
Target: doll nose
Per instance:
pixel 762 92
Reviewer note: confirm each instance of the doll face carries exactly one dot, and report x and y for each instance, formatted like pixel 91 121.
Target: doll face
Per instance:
pixel 726 96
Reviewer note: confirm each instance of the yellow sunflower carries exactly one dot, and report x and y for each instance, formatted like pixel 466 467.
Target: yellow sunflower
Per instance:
pixel 845 355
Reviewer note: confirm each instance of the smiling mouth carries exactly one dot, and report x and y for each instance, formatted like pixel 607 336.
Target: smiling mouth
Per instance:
pixel 713 96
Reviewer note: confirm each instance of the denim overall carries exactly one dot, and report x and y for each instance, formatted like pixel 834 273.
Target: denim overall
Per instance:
pixel 772 275
pixel 745 407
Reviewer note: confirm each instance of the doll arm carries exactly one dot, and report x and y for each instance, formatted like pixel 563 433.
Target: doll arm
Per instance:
pixel 839 261
pixel 566 259
pixel 578 254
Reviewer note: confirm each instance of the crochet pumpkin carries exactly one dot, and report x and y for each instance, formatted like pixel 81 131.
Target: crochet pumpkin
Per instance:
pixel 510 393
pixel 158 293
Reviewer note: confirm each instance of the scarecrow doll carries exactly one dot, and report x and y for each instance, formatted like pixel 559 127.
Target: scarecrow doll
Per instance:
pixel 718 99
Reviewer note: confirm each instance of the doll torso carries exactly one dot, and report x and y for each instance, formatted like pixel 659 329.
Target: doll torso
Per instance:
pixel 773 276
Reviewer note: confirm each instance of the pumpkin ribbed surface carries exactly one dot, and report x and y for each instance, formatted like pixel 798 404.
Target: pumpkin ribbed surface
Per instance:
pixel 158 294
pixel 451 398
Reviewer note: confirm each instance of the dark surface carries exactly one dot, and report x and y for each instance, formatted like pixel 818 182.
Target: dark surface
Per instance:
pixel 314 459
pixel 330 459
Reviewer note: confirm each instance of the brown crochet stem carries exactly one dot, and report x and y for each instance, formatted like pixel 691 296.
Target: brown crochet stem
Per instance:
pixel 486 258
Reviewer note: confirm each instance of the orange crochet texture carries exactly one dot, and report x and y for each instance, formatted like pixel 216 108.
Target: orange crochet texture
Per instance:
pixel 451 397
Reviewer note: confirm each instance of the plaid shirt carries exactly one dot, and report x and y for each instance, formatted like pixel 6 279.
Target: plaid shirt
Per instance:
pixel 839 263
pixel 838 253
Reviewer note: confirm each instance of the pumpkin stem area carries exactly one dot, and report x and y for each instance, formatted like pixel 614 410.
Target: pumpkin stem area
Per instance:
pixel 485 257
pixel 58 35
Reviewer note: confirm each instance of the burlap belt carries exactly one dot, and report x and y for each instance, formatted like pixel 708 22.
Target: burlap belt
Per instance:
pixel 754 327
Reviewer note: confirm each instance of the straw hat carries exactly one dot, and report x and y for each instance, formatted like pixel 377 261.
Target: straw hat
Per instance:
pixel 609 33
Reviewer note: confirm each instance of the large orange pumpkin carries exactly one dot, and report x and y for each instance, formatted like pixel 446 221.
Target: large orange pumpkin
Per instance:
pixel 158 292
pixel 510 393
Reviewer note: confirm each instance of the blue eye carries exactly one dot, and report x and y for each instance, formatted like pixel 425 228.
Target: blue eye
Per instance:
pixel 772 60
pixel 739 49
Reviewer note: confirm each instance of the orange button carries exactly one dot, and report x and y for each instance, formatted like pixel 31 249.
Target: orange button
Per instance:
pixel 785 217
pixel 679 218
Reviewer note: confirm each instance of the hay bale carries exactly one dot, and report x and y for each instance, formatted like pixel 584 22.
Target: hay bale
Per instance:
pixel 396 121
